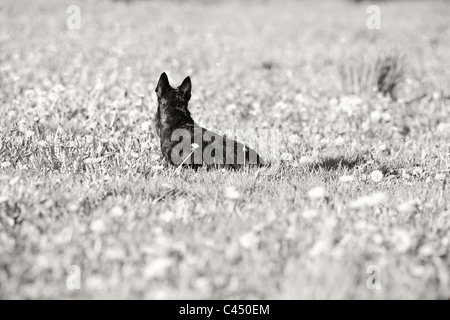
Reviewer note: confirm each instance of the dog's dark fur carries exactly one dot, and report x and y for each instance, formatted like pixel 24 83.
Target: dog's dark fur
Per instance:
pixel 173 114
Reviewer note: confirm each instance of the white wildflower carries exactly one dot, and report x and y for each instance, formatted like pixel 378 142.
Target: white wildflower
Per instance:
pixel 409 206
pixel 145 126
pixel 376 176
pixel 309 214
pixel 316 193
pixel 346 179
pixel 248 240
pixel 369 201
pixel 232 193
pixel 305 160
pixel 286 157
pixel 98 226
pixel 194 146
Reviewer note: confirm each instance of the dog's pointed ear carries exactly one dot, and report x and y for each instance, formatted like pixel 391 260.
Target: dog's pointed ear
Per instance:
pixel 163 84
pixel 186 88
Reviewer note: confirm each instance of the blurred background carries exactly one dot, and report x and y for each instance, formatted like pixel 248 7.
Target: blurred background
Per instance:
pixel 83 183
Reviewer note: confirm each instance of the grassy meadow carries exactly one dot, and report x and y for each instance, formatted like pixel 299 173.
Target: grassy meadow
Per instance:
pixel 365 122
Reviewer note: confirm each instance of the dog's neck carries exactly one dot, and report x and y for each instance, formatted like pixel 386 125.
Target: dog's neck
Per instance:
pixel 172 115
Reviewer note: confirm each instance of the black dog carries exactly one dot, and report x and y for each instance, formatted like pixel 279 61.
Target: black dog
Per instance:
pixel 185 142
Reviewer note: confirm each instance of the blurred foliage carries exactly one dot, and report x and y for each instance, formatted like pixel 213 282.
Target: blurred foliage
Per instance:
pixel 364 179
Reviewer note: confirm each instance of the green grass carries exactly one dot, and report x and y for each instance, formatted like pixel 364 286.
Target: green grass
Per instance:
pixel 81 181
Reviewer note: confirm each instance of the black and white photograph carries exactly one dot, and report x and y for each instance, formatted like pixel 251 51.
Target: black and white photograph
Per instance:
pixel 243 152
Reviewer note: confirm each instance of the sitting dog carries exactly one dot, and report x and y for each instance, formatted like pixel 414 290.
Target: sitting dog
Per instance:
pixel 183 142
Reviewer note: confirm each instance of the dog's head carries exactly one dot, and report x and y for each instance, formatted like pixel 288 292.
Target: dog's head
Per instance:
pixel 179 96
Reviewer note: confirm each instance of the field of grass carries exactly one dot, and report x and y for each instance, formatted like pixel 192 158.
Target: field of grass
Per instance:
pixel 364 181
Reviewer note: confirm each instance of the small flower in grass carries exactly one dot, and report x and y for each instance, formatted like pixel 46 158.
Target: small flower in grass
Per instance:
pixel 72 206
pixel 248 240
pixel 317 193
pixel 116 212
pixel 98 226
pixel 405 175
pixel 439 177
pixel 386 117
pixel 417 171
pixel 93 160
pixel 401 240
pixel 157 168
pixel 375 116
pixel 194 146
pixel 305 160
pixel 339 141
pixel 10 221
pixel 443 128
pixel 145 145
pixel 14 180
pixel 155 157
pixel 145 126
pixel 167 216
pixel 286 157
pixel 376 176
pixel 29 133
pixel 409 206
pixel 231 107
pixel 6 164
pixel 158 268
pixel 427 250
pixel 346 179
pixel 309 214
pixel 232 193
pixel 436 95
pixel 294 139
pixel 22 125
pixel 369 201
pixel 319 248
